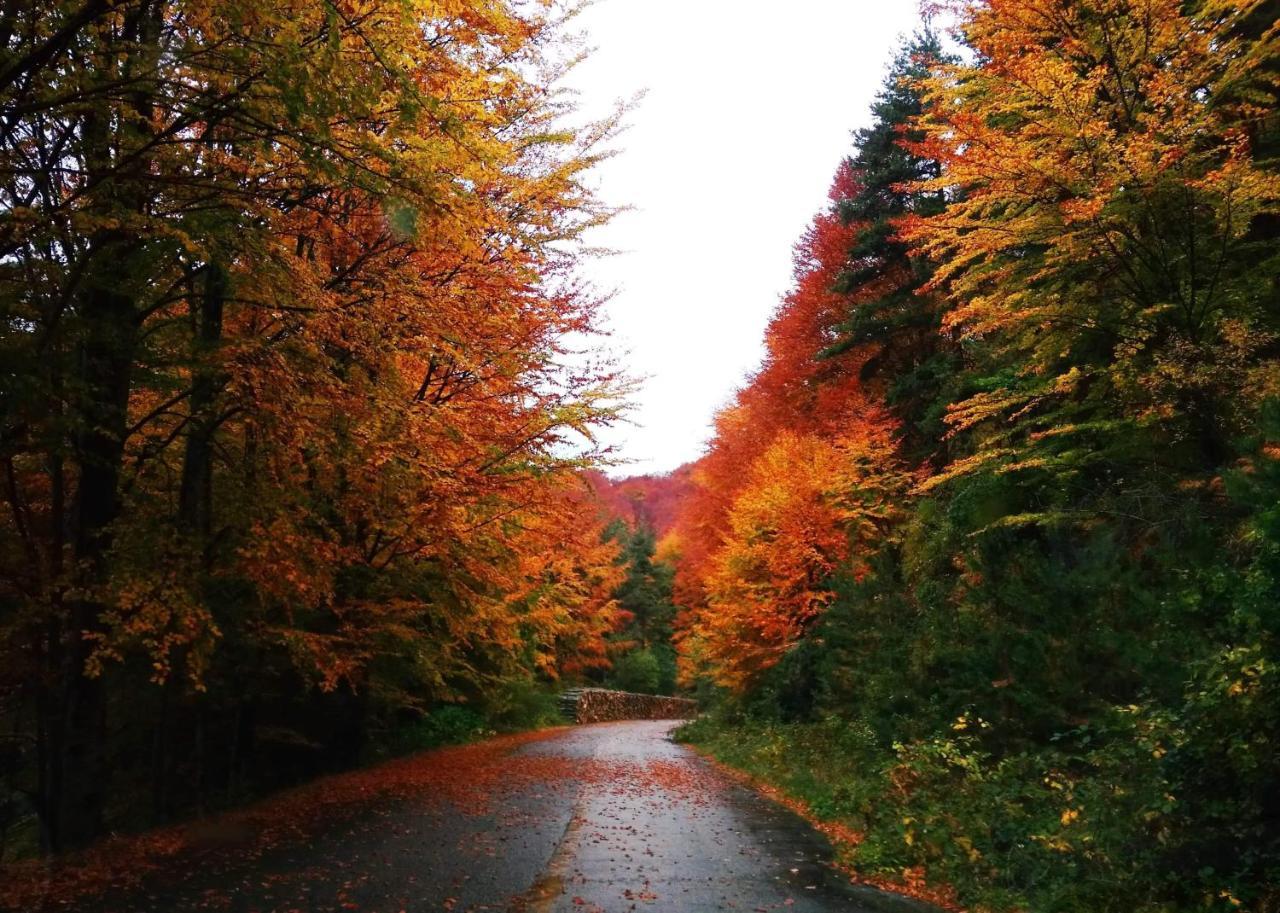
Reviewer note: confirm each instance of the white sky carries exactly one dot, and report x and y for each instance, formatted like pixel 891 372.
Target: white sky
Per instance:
pixel 748 111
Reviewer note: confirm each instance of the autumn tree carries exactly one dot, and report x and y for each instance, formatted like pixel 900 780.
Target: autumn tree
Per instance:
pixel 810 509
pixel 287 398
pixel 799 462
pixel 1107 237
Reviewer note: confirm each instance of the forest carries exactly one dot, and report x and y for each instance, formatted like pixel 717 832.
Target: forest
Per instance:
pixel 983 563
pixel 301 390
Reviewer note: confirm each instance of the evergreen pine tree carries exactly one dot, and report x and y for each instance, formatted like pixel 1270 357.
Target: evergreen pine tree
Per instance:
pixel 912 361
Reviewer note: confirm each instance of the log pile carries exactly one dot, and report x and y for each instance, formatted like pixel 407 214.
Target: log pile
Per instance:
pixel 599 705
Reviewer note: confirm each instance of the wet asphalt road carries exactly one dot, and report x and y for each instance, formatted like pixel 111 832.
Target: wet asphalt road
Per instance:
pixel 609 817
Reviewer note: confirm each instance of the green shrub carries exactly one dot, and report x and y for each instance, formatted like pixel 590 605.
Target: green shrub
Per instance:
pixel 523 704
pixel 451 724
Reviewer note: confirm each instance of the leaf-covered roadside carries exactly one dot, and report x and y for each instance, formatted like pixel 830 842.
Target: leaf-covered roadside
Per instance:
pixel 787 765
pixel 1072 827
pixel 223 850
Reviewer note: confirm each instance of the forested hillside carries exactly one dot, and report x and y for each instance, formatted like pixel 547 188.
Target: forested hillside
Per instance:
pixel 291 408
pixel 651 501
pixel 984 561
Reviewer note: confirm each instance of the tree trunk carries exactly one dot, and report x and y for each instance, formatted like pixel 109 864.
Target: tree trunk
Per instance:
pixel 195 491
pixel 108 328
pixel 106 366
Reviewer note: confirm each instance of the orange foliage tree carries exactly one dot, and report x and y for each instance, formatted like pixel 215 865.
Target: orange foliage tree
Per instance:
pixel 285 304
pixel 810 508
pixel 796 483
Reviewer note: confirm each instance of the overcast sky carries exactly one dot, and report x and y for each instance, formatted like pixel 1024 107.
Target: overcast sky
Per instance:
pixel 748 111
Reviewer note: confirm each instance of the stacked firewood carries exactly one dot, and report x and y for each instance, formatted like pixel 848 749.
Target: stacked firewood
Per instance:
pixel 598 705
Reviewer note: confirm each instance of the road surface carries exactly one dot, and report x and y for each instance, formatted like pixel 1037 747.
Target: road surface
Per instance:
pixel 609 817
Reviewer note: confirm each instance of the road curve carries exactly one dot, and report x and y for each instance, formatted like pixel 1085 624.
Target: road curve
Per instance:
pixel 609 817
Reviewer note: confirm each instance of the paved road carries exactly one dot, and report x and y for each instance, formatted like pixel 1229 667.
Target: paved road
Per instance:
pixel 609 817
